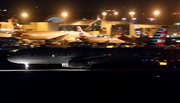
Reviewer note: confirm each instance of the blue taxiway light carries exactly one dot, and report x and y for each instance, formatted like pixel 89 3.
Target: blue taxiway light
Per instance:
pixel 175 66
pixel 152 59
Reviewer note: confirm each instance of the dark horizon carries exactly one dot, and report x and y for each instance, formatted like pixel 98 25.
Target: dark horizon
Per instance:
pixel 89 9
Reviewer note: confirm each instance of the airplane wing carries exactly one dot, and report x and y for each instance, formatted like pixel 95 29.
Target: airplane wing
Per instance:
pixel 61 37
pixel 88 61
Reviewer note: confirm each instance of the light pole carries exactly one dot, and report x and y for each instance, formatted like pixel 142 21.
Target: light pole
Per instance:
pixel 116 13
pixel 104 15
pixel 64 17
pixel 24 16
pixel 132 14
pixel 156 13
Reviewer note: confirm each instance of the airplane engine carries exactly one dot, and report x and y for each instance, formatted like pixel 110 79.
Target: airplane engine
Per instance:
pixel 78 64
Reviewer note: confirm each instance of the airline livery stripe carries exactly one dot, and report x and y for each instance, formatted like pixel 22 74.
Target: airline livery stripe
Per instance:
pixel 158 34
pixel 159 43
pixel 154 40
pixel 162 38
pixel 163 35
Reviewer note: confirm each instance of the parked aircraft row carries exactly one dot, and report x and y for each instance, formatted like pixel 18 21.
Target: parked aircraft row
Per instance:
pixel 54 36
pixel 85 58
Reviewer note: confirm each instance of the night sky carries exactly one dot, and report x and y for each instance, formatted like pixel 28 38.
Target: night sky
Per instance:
pixel 78 9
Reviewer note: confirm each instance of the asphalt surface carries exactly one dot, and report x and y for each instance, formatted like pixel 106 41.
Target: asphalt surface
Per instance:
pixel 54 84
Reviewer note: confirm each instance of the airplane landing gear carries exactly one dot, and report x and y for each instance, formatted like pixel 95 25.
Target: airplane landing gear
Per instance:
pixel 26 66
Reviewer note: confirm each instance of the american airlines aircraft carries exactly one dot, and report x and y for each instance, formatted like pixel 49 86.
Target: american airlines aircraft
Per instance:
pixel 85 58
pixel 142 38
pixel 43 35
pixel 96 39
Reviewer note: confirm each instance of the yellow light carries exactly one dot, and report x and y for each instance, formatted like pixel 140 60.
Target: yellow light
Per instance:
pixel 24 15
pixel 156 12
pixel 64 14
pixel 172 60
pixel 179 60
pixel 110 46
pixel 138 36
pixel 157 60
pixel 165 60
pixel 163 63
pixel 127 45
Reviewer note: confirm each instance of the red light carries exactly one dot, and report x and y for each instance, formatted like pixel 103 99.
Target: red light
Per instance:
pixel 109 54
pixel 69 46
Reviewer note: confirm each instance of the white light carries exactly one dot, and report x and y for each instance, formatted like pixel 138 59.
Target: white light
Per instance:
pixel 4 10
pixel 156 12
pixel 64 14
pixel 132 13
pixel 175 34
pixel 173 39
pixel 104 13
pixel 172 36
pixel 168 36
pixel 24 15
pixel 123 19
pixel 52 55
pixel 178 41
pixel 115 13
pixel 134 18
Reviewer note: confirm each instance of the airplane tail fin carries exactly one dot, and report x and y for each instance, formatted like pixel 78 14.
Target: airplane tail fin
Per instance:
pixel 17 29
pixel 14 22
pixel 138 31
pixel 158 40
pixel 120 31
pixel 80 31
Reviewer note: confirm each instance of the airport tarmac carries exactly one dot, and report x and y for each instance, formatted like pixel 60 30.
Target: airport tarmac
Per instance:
pixel 52 83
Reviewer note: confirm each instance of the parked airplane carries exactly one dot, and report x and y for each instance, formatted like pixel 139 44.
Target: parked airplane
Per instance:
pixel 41 35
pixel 96 39
pixel 137 38
pixel 85 58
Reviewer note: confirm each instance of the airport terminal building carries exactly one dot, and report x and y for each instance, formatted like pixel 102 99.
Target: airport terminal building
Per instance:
pixel 93 27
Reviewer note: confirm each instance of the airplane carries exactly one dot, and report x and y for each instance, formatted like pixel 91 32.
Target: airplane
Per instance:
pixel 85 58
pixel 140 37
pixel 49 36
pixel 96 39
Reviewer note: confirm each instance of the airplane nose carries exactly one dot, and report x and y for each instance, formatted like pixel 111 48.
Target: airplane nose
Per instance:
pixel 11 59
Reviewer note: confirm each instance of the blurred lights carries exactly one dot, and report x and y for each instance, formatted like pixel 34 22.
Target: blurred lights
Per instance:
pixel 64 14
pixel 132 13
pixel 24 15
pixel 104 13
pixel 151 19
pixel 115 13
pixel 134 18
pixel 163 63
pixel 156 12
pixel 123 19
